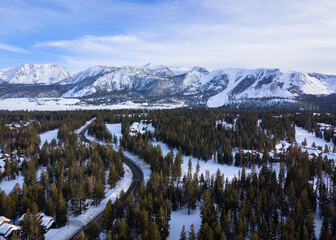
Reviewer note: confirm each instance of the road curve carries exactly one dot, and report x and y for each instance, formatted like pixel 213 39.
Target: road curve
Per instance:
pixel 137 177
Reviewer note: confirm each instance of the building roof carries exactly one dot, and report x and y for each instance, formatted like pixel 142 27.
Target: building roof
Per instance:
pixel 46 221
pixel 3 219
pixel 6 229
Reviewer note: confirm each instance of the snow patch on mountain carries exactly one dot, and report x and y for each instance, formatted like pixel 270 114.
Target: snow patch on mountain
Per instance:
pixel 45 74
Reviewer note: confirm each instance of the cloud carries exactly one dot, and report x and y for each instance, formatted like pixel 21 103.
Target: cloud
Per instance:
pixel 11 48
pixel 296 35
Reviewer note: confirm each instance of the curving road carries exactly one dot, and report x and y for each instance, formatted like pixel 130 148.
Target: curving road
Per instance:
pixel 137 177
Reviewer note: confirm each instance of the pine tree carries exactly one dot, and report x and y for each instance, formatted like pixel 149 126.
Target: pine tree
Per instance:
pixel 205 233
pixel 82 237
pixel 153 231
pixel 37 230
pixel 112 179
pixel 108 218
pixel 14 236
pixel 183 235
pixel 92 231
pixel 61 211
pixel 192 234
pixel 50 209
pixel 121 230
pixel 98 192
pixel 25 225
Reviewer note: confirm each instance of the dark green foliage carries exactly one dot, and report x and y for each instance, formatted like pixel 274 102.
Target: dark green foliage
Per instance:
pixel 92 231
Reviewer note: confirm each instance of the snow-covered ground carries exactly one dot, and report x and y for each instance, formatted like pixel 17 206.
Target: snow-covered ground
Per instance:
pixel 77 222
pixel 210 165
pixel 302 134
pixel 7 186
pixel 115 130
pixel 180 218
pixel 48 136
pixel 57 104
pixel 140 127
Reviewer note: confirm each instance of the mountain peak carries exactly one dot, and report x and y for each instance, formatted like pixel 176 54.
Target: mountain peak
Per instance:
pixel 44 74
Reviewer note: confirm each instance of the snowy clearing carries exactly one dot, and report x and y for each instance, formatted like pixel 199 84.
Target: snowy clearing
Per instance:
pixel 48 136
pixel 7 186
pixel 302 134
pixel 180 218
pixel 57 104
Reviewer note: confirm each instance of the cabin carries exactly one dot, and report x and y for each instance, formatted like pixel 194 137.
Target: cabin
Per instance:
pixel 7 229
pixel 47 222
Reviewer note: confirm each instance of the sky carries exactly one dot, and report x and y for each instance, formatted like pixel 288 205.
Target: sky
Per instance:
pixel 288 34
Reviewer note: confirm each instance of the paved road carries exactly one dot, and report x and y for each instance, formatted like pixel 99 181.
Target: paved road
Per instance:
pixel 137 177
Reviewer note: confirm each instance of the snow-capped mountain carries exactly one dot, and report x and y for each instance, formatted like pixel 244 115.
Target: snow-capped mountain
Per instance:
pixel 34 74
pixel 161 84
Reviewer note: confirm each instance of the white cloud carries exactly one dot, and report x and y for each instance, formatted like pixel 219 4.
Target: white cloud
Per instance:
pixel 11 48
pixel 297 35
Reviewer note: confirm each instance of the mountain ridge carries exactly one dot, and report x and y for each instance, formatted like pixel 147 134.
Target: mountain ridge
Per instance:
pixel 196 86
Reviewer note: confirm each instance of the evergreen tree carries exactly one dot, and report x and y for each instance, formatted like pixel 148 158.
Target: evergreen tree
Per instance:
pixel 92 231
pixel 61 211
pixel 26 231
pixel 108 218
pixel 112 179
pixel 192 234
pixel 183 235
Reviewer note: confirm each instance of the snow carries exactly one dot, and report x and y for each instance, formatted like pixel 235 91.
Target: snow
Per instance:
pixel 7 186
pixel 34 74
pixel 48 136
pixel 58 104
pixel 229 171
pixel 77 222
pixel 115 130
pixel 284 85
pixel 180 218
pixel 141 128
pixel 301 134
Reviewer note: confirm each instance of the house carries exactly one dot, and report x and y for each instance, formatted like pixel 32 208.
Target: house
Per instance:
pixel 4 220
pixel 7 229
pixel 47 222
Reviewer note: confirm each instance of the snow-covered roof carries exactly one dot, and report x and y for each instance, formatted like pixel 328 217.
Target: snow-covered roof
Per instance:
pixel 6 229
pixel 3 219
pixel 46 221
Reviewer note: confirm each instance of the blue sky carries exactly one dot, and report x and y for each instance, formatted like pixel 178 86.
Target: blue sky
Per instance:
pixel 294 35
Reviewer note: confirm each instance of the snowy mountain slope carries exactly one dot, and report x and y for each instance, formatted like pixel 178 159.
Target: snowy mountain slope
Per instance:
pixel 271 84
pixel 161 84
pixel 34 74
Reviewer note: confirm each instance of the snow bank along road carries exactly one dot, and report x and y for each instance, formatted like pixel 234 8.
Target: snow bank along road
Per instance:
pixel 137 177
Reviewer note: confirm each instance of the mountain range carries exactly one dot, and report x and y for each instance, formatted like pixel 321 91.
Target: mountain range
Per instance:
pixel 161 84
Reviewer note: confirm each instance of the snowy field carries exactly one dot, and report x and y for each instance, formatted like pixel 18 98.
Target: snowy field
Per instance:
pixel 57 104
pixel 115 130
pixel 180 218
pixel 48 136
pixel 77 222
pixel 7 186
pixel 302 134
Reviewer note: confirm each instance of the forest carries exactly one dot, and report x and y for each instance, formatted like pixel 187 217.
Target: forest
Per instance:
pixel 282 190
